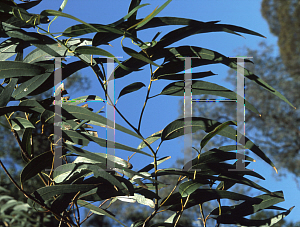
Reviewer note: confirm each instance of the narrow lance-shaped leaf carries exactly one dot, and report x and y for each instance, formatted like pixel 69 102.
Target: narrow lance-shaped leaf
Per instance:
pixel 214 132
pixel 84 138
pixel 98 210
pixel 203 87
pixel 147 19
pixel 176 129
pixel 139 56
pixel 10 69
pixel 30 85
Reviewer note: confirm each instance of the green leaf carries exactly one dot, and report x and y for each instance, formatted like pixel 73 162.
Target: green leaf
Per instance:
pixel 98 210
pixel 188 188
pixel 180 76
pixel 151 139
pixel 148 18
pixel 139 56
pixel 76 112
pixel 30 85
pixel 203 87
pixel 6 93
pixel 19 123
pixel 176 129
pixel 202 195
pixel 150 166
pixel 243 222
pixel 61 14
pixel 8 48
pixel 216 156
pixel 10 69
pixel 247 207
pixel 131 88
pixel 98 51
pixel 83 99
pixel 214 132
pixel 38 40
pixel 9 109
pixel 46 193
pixel 36 165
pixel 83 139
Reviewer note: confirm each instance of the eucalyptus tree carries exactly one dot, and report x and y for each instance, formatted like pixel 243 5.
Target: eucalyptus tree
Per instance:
pixel 102 177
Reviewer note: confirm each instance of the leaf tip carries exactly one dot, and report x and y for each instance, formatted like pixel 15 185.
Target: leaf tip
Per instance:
pixel 254 160
pixel 260 115
pixel 275 169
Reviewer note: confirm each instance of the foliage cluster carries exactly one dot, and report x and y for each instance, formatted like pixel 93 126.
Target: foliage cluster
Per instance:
pixel 90 178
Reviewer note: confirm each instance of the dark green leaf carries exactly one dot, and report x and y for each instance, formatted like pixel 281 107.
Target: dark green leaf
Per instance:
pixel 30 85
pixel 10 69
pixel 36 165
pixel 6 93
pixel 188 188
pixel 84 138
pixel 97 210
pixel 243 222
pixel 214 132
pixel 131 88
pixel 176 129
pixel 180 76
pixel 203 195
pixel 203 87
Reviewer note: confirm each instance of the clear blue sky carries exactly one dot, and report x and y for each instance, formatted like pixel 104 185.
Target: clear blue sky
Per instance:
pixel 159 113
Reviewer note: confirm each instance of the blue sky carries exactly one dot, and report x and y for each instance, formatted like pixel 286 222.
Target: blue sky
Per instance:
pixel 161 112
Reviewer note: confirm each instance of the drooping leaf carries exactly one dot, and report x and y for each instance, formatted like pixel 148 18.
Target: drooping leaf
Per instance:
pixel 98 51
pixel 202 195
pixel 188 188
pixel 247 207
pixel 180 76
pixel 214 132
pixel 139 56
pixel 36 165
pixel 176 129
pixel 151 139
pixel 83 139
pixel 203 87
pixel 98 210
pixel 131 88
pixel 243 222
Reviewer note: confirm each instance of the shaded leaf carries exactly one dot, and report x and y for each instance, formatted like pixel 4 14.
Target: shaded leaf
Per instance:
pixel 131 88
pixel 176 129
pixel 151 139
pixel 203 87
pixel 98 210
pixel 214 132
pixel 83 139
pixel 36 165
